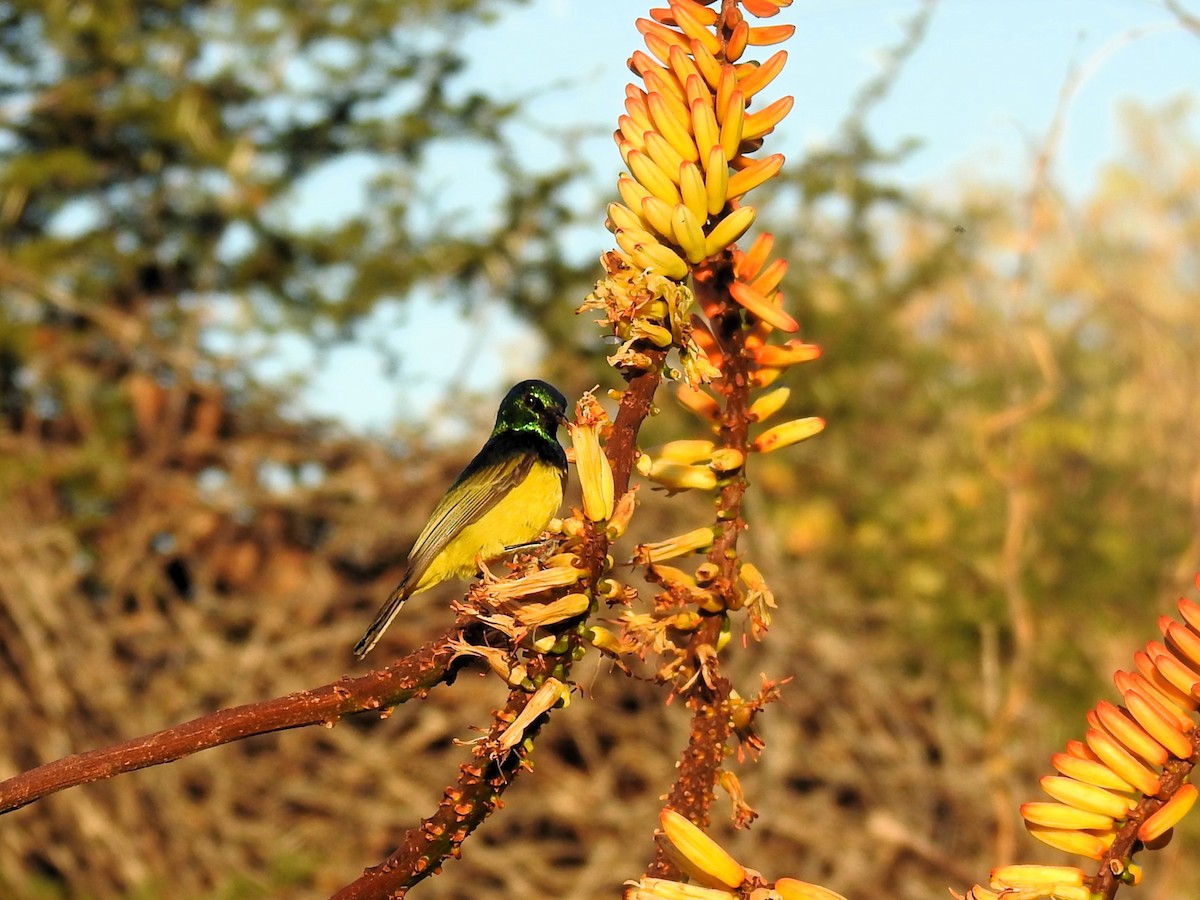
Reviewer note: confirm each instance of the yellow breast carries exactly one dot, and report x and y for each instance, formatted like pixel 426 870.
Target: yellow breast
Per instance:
pixel 520 516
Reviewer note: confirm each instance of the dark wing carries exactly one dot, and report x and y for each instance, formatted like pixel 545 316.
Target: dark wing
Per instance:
pixel 498 468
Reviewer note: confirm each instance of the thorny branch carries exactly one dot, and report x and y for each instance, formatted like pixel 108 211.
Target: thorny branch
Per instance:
pixel 707 691
pixel 413 676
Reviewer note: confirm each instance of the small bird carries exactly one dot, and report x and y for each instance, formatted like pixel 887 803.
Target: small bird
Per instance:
pixel 505 497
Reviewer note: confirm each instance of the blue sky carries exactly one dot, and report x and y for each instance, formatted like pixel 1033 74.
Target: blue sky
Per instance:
pixel 980 92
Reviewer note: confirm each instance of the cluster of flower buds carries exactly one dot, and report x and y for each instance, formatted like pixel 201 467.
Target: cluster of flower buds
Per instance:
pixel 525 605
pixel 1128 771
pixel 697 464
pixel 713 874
pixel 687 134
pixel 688 465
pixel 700 464
pixel 755 287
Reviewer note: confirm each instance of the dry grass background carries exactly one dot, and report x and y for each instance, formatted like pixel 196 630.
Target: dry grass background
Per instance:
pixel 114 629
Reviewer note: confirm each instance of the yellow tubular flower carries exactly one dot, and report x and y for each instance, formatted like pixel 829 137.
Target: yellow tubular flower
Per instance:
pixel 662 889
pixel 665 156
pixel 1121 726
pixel 1089 771
pixel 759 76
pixel 765 8
pixel 788 433
pixel 1169 814
pixel 1135 682
pixel 791 889
pixel 727 459
pixel 652 176
pixel 758 172
pixel 607 642
pixel 729 229
pixel 595 472
pixel 1023 877
pixel 733 122
pixel 542 580
pixel 688 232
pixel 658 213
pixel 1081 843
pixel 789 354
pixel 695 197
pixel 769 404
pixel 1059 815
pixel 1088 796
pixel 672 577
pixel 706 131
pixel 688 452
pixel 673 123
pixel 761 123
pixel 764 307
pixel 680 545
pixel 1122 762
pixel 621 515
pixel 716 180
pixel 660 259
pixel 568 607
pixel 699 402
pixel 698 855
pixel 549 695
pixel 1179 697
pixel 691 20
pixel 1157 722
pixel 1173 670
pixel 676 477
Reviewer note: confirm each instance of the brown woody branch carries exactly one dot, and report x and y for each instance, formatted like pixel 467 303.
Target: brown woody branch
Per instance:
pixel 424 668
pixel 462 809
pixel 707 691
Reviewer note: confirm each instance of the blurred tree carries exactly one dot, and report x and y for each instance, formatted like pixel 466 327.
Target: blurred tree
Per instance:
pixel 153 159
pixel 153 154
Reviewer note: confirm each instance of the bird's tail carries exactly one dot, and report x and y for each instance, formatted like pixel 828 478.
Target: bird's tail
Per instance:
pixel 382 620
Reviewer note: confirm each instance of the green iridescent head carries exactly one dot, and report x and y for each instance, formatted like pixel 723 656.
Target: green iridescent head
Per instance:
pixel 532 406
